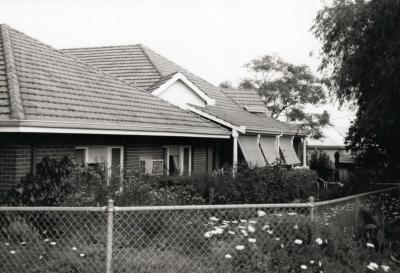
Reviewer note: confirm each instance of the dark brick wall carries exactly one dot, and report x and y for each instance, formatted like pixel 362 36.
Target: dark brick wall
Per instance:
pixel 15 162
pixel 18 150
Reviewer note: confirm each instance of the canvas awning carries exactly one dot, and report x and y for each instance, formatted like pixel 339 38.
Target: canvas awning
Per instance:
pixel 251 151
pixel 287 149
pixel 269 148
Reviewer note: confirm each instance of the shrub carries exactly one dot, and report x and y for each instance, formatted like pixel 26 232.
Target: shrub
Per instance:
pixel 321 163
pixel 49 186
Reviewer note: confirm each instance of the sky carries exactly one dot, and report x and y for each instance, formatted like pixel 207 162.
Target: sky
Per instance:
pixel 213 39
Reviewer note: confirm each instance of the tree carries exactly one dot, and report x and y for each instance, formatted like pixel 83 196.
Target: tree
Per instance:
pixel 285 89
pixel 361 57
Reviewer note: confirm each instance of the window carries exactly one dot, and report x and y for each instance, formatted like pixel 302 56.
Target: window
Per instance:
pixel 178 160
pixel 81 155
pixel 109 156
pixel 151 166
pixel 158 167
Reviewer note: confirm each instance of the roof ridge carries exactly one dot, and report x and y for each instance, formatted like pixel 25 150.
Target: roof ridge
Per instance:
pixel 97 47
pixel 142 47
pixel 16 106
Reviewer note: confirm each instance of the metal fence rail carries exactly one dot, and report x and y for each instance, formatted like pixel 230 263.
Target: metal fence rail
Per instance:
pixel 164 239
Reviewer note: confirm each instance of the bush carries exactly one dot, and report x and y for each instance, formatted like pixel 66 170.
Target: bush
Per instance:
pixel 49 186
pixel 321 163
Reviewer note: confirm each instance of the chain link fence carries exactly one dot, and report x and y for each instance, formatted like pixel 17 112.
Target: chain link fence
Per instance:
pixel 164 239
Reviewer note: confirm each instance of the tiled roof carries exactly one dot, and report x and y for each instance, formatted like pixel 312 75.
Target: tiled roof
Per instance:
pixel 160 82
pixel 248 99
pixel 46 85
pixel 225 108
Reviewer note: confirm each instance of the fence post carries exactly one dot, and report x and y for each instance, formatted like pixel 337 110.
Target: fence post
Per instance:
pixel 110 218
pixel 312 208
pixel 356 216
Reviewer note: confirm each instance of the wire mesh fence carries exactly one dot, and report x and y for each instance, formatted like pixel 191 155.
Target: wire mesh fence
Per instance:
pixel 165 239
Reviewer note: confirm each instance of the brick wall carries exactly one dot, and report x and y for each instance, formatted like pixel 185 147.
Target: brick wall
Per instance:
pixel 17 151
pixel 14 164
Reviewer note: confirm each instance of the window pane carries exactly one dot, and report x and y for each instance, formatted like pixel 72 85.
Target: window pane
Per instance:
pixel 142 166
pixel 173 165
pixel 158 167
pixel 80 156
pixel 115 162
pixel 186 161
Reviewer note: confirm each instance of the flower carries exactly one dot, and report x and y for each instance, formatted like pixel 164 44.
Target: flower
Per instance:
pixel 253 222
pixel 208 234
pixel 12 251
pixel 318 241
pixel 231 232
pixel 265 227
pixel 319 263
pixel 6 244
pixel 74 248
pixel 282 246
pixel 270 231
pixel 244 232
pixel 303 266
pixel 40 257
pixel 228 256
pixel 298 242
pixel 82 254
pixel 261 213
pixel 296 227
pixel 251 229
pixel 370 245
pixel 277 239
pixel 214 219
pixel 22 243
pixel 385 268
pixel 243 221
pixel 252 240
pixel 292 213
pixel 53 243
pixel 312 262
pixel 372 266
pixel 46 240
pixel 239 247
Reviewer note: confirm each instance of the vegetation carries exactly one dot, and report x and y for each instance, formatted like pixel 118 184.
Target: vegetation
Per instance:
pixel 361 61
pixel 285 89
pixel 321 163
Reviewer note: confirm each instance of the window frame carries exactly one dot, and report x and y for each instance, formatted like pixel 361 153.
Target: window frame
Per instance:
pixel 181 149
pixel 108 155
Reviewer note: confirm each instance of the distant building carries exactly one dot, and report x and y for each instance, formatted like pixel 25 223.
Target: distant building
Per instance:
pixel 333 143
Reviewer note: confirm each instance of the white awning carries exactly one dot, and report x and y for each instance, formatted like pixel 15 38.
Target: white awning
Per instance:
pixel 251 151
pixel 287 149
pixel 270 149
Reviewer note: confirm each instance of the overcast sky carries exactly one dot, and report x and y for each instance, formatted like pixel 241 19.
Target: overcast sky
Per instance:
pixel 211 38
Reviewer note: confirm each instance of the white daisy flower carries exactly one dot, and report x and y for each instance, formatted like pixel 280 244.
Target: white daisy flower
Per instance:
pixel 251 229
pixel 261 213
pixel 74 248
pixel 296 227
pixel 6 244
pixel 372 266
pixel 228 256
pixel 46 240
pixel 82 255
pixel 215 219
pixel 270 231
pixel 53 243
pixel 298 242
pixel 319 241
pixel 385 268
pixel 265 227
pixel 231 232
pixel 303 266
pixel 239 247
pixel 252 240
pixel 370 245
pixel 12 251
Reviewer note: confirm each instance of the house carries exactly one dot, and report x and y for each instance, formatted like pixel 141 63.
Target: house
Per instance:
pixel 126 106
pixel 333 144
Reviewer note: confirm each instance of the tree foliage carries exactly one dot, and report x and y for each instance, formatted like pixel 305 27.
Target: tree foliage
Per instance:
pixel 286 88
pixel 361 56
